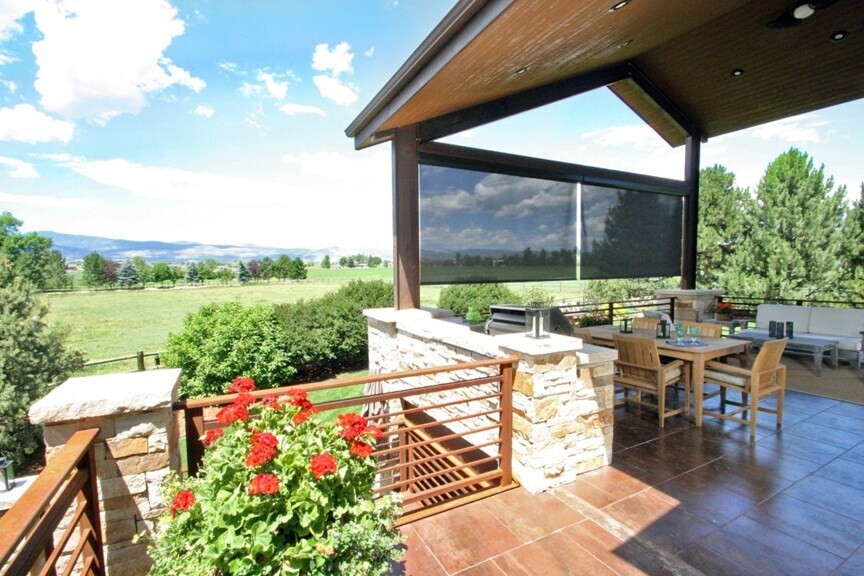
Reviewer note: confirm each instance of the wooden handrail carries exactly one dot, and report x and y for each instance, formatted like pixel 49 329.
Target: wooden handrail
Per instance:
pixel 30 523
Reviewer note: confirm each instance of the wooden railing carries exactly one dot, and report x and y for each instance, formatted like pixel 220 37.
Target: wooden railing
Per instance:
pixel 611 312
pixel 138 356
pixel 447 436
pixel 27 530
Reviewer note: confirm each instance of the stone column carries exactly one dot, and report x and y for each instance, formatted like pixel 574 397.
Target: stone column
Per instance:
pixel 562 397
pixel 135 450
pixel 692 305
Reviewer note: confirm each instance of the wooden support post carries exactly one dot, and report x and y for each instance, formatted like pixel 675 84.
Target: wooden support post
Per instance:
pixel 506 371
pixel 406 219
pixel 140 357
pixel 690 229
pixel 194 446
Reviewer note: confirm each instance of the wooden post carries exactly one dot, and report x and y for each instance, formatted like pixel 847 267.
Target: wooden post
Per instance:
pixel 194 446
pixel 506 371
pixel 690 227
pixel 91 492
pixel 140 356
pixel 406 219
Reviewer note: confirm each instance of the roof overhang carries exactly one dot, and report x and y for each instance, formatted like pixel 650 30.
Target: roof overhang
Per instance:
pixel 671 61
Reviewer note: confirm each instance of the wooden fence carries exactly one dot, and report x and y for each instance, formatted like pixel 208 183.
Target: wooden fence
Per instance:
pixel 450 438
pixel 27 530
pixel 139 356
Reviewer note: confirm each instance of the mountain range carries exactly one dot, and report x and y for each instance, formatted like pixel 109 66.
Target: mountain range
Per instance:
pixel 76 247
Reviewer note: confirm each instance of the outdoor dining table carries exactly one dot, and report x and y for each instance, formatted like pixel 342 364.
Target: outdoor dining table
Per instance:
pixel 697 355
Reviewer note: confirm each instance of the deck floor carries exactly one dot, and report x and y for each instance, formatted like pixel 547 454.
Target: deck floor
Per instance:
pixel 685 501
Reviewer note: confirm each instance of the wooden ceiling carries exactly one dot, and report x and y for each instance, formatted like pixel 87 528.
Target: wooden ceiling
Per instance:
pixel 680 53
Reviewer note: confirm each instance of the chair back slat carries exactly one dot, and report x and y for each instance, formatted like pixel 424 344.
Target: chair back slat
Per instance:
pixel 769 355
pixel 641 323
pixel 706 329
pixel 639 351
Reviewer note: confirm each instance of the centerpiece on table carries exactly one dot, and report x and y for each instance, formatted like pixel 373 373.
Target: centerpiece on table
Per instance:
pixel 279 493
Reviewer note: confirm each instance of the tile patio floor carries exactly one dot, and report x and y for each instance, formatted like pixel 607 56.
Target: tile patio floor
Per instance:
pixel 688 501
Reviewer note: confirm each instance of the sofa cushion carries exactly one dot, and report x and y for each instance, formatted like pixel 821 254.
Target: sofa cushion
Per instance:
pixel 840 321
pixel 843 342
pixel 798 315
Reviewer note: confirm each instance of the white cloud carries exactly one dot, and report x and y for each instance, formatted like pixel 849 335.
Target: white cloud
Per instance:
pixel 10 85
pixel 18 168
pixel 24 123
pixel 334 61
pixel 42 201
pixel 294 109
pixel 795 130
pixel 11 11
pixel 97 60
pixel 175 184
pixel 354 169
pixel 369 52
pixel 335 90
pixel 229 67
pixel 204 111
pixel 267 85
pixel 6 58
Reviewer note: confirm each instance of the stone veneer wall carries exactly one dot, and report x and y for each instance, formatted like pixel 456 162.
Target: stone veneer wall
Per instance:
pixel 692 305
pixel 135 450
pixel 563 391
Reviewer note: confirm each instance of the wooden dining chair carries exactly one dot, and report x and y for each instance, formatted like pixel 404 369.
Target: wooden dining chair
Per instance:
pixel 706 329
pixel 644 323
pixel 638 368
pixel 766 377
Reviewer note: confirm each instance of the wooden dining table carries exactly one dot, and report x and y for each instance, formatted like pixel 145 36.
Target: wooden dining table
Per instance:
pixel 713 349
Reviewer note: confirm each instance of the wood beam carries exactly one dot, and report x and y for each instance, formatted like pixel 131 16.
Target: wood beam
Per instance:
pixel 474 116
pixel 690 229
pixel 406 219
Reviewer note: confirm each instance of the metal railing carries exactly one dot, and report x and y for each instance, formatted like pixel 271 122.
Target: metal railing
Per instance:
pixel 745 306
pixel 27 530
pixel 447 436
pixel 611 312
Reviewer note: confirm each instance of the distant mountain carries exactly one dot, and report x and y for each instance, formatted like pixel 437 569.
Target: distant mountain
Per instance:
pixel 76 247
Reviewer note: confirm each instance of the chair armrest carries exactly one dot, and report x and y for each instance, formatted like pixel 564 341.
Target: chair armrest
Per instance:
pixel 673 364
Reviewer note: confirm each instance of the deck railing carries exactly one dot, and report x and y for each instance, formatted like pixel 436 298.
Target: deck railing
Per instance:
pixel 745 306
pixel 27 530
pixel 611 312
pixel 447 430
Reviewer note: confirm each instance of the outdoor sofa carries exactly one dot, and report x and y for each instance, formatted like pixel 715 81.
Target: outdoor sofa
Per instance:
pixel 843 325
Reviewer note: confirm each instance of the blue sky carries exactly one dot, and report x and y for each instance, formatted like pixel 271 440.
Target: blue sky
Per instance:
pixel 223 121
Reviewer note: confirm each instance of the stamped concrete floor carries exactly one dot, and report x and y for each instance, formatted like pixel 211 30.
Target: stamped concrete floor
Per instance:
pixel 685 501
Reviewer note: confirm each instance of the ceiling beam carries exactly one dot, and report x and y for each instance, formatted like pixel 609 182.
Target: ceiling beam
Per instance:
pixel 662 100
pixel 474 116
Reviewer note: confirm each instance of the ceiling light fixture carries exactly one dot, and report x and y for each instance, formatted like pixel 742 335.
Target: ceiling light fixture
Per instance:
pixel 619 5
pixel 803 11
pixel 522 70
pixel 623 44
pixel 839 35
pixel 737 72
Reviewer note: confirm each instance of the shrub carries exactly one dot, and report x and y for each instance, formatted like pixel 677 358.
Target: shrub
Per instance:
pixel 329 333
pixel 279 494
pixel 33 359
pixel 221 340
pixel 460 297
pixel 533 294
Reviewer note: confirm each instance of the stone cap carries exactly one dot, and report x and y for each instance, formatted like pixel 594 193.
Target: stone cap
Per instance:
pixel 107 395
pixel 393 315
pixel 679 292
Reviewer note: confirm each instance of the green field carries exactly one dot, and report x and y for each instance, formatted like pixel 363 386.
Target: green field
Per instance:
pixel 113 323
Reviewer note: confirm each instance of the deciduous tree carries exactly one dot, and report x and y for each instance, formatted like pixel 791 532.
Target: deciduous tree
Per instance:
pixel 95 272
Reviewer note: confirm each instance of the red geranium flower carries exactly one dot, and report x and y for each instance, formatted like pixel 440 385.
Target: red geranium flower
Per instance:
pixel 353 425
pixel 271 401
pixel 241 385
pixel 231 413
pixel 360 449
pixel 244 399
pixel 297 397
pixel 212 435
pixel 265 438
pixel 322 464
pixel 375 432
pixel 183 501
pixel 264 484
pixel 259 455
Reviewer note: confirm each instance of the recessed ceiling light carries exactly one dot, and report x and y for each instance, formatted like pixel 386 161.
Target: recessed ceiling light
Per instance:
pixel 738 72
pixel 804 10
pixel 623 44
pixel 619 5
pixel 522 70
pixel 839 35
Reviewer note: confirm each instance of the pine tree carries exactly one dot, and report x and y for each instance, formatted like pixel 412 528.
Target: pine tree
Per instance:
pixel 243 274
pixel 793 234
pixel 128 275
pixel 297 269
pixel 325 263
pixel 853 251
pixel 192 274
pixel 721 224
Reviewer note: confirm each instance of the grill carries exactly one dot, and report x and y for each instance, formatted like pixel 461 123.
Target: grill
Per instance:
pixel 507 319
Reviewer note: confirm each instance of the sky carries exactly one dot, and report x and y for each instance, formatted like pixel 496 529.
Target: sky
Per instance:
pixel 223 121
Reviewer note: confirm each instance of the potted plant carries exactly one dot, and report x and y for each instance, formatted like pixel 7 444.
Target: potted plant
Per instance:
pixel 279 493
pixel 724 311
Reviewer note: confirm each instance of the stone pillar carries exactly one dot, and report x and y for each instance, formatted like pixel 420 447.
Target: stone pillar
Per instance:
pixel 692 305
pixel 135 450
pixel 563 390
